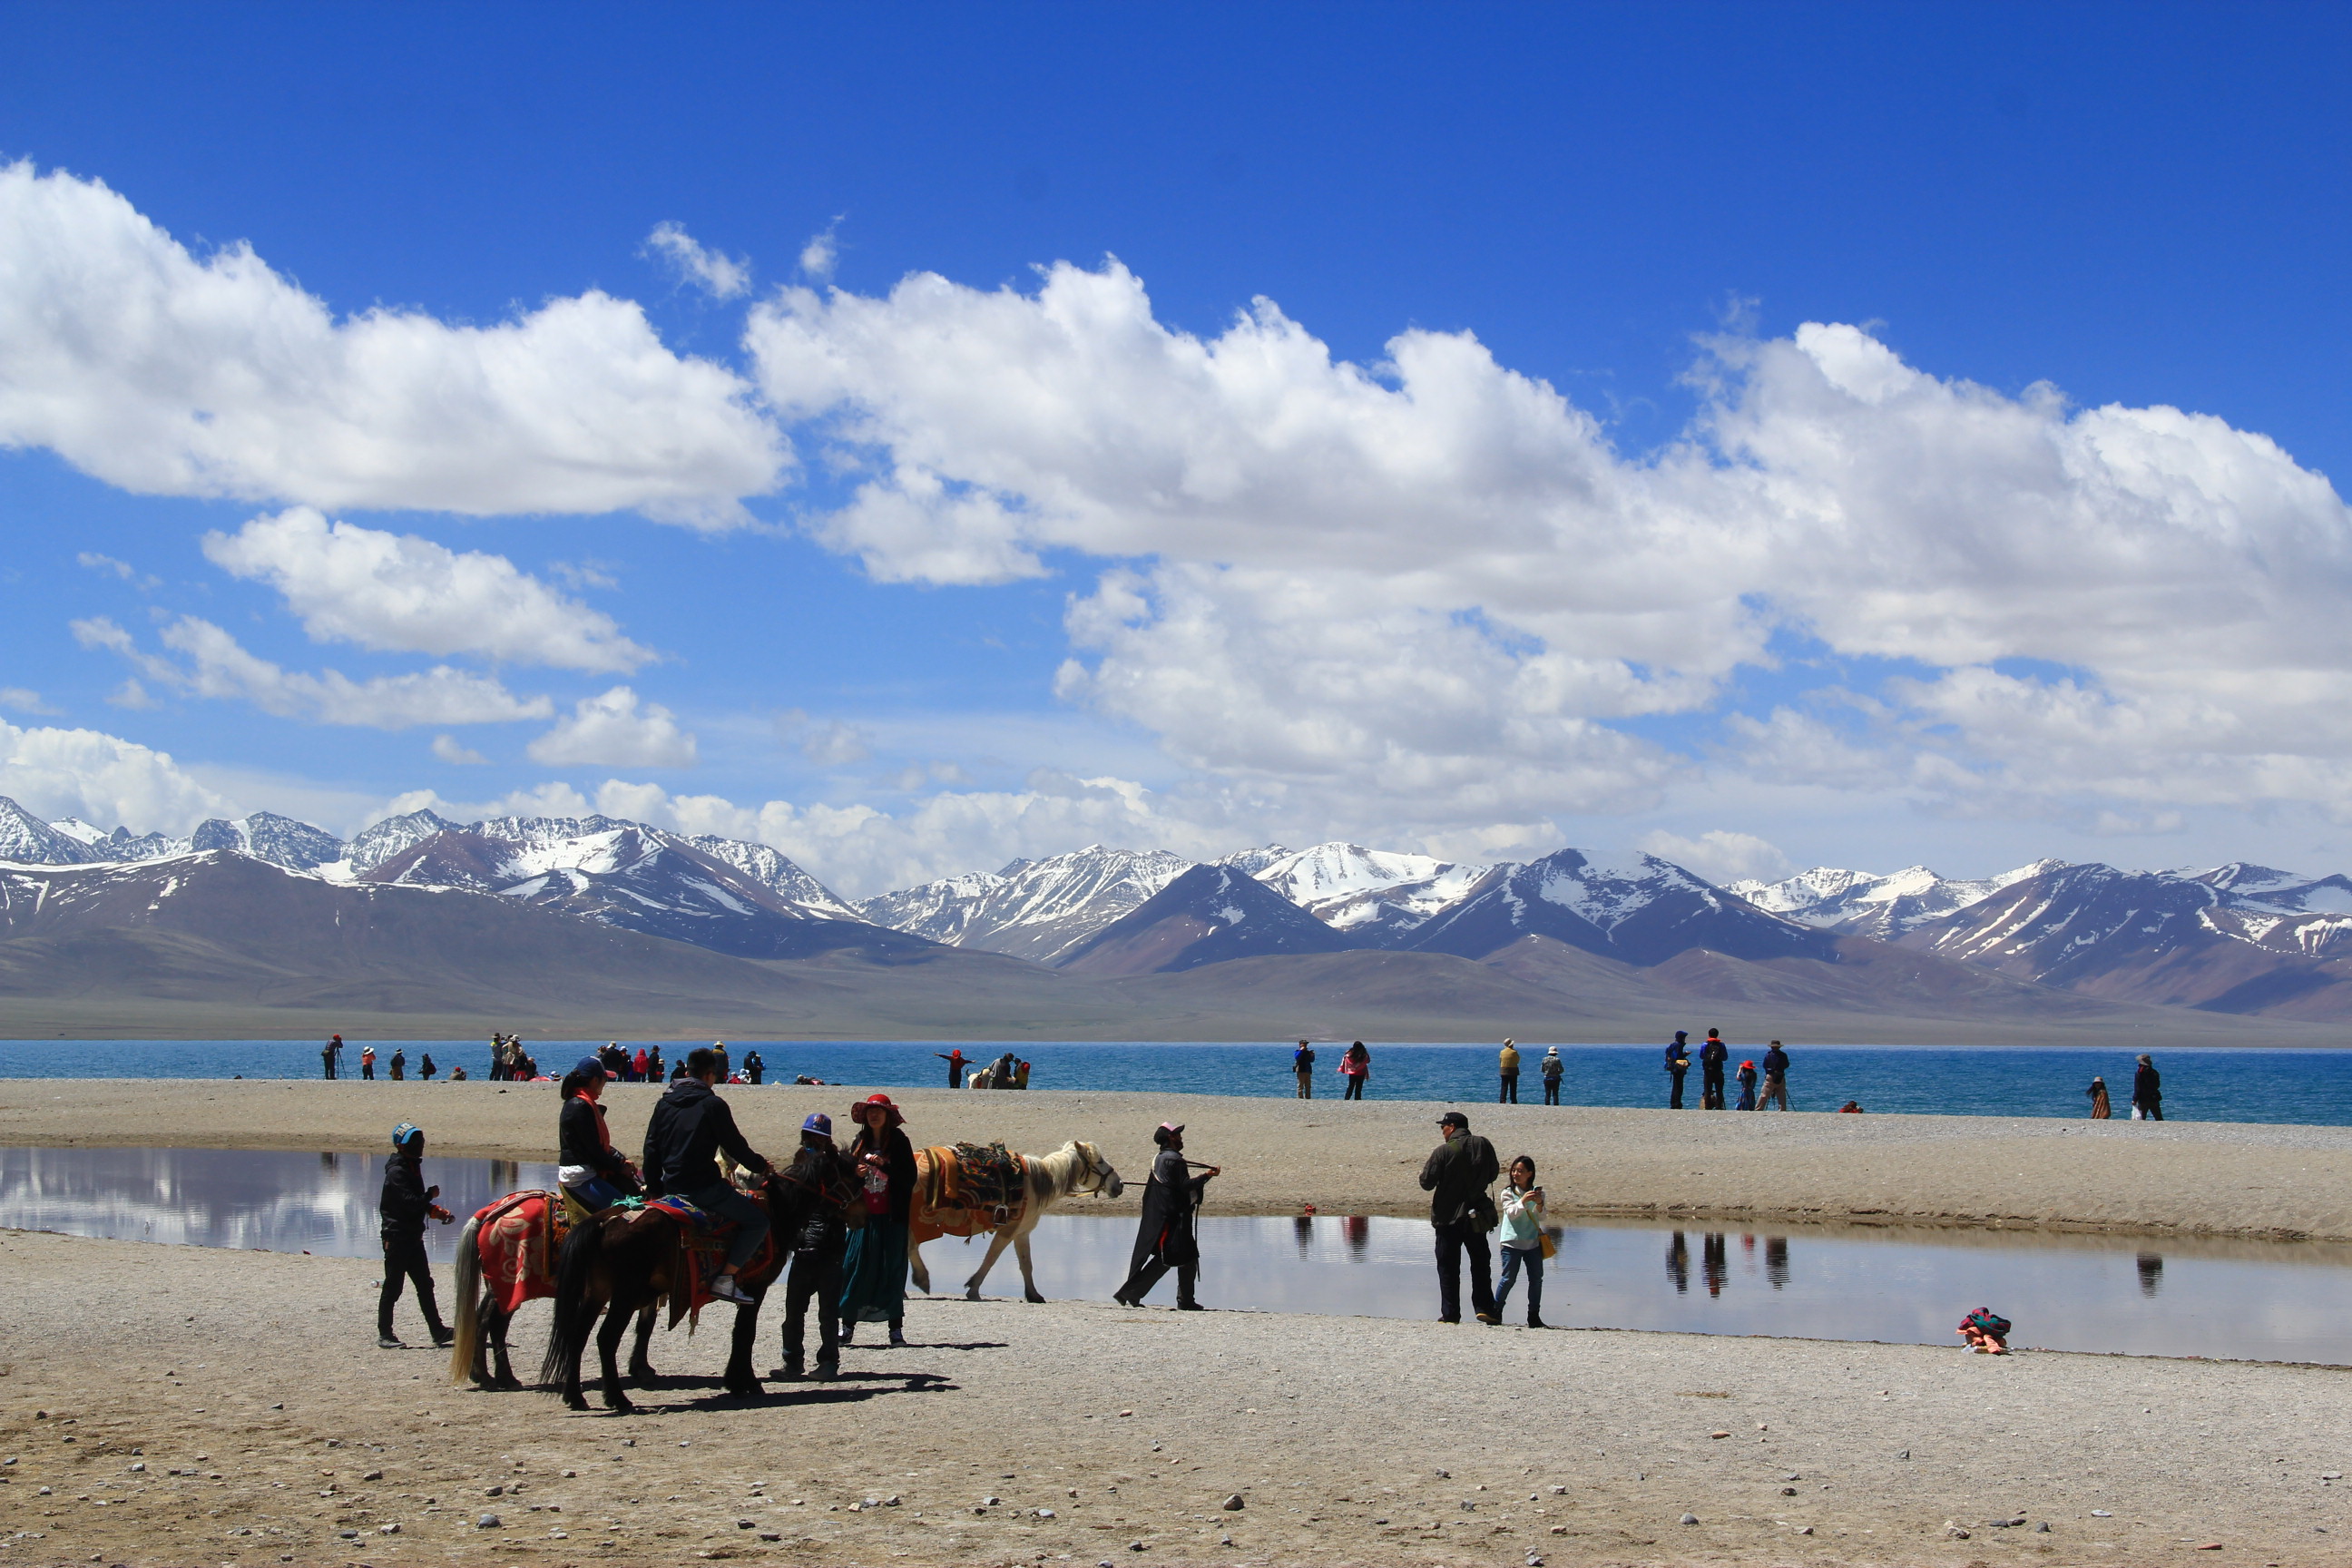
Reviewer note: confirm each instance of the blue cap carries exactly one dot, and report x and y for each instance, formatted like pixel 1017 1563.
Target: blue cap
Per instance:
pixel 408 1133
pixel 585 1066
pixel 818 1121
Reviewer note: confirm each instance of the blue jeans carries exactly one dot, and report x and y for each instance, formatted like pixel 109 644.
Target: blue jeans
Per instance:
pixel 596 1194
pixel 751 1220
pixel 1514 1259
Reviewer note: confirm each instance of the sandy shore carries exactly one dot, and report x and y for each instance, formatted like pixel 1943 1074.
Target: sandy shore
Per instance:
pixel 2168 1178
pixel 247 1387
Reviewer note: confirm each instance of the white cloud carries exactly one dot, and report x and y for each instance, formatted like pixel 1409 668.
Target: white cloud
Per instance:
pixel 1431 587
pixel 101 779
pixel 830 744
pixel 1721 855
pixel 396 592
pixel 122 569
pixel 819 255
pixel 163 374
pixel 720 276
pixel 610 731
pixel 218 667
pixel 450 750
pixel 19 700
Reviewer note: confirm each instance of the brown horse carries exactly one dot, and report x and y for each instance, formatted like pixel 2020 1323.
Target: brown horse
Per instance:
pixel 506 1257
pixel 622 1262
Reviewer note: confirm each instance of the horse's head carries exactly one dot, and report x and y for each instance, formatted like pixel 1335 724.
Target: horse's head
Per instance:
pixel 1095 1174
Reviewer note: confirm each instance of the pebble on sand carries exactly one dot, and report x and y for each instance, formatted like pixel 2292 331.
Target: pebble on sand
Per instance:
pixel 1232 1504
pixel 1690 1518
pixel 488 1521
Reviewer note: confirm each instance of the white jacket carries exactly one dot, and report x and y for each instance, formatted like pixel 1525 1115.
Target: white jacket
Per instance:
pixel 1520 1230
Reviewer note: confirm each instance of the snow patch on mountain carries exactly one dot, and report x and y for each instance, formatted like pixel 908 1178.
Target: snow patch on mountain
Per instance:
pixel 1863 903
pixel 1034 909
pixel 1378 896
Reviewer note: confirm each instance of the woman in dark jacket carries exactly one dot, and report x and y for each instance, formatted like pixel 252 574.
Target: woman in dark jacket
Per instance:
pixel 875 1270
pixel 2147 1091
pixel 588 1167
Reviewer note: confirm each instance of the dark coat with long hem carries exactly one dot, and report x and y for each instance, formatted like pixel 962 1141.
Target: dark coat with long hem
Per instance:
pixel 1171 1197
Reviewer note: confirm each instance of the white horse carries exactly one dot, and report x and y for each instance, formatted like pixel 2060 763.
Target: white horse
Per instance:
pixel 1074 1168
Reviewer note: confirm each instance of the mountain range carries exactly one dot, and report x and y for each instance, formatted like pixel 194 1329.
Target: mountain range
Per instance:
pixel 92 918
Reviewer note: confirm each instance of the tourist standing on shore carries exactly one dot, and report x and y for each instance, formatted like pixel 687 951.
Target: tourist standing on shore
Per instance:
pixel 399 1063
pixel 817 1249
pixel 1457 1176
pixel 426 1069
pixel 1302 1067
pixel 1677 1065
pixel 332 1052
pixel 1522 1240
pixel 955 1060
pixel 875 1271
pixel 1711 1057
pixel 405 1206
pixel 1552 1067
pixel 2147 1093
pixel 638 1064
pixel 1509 1063
pixel 753 1067
pixel 653 1064
pixel 1776 1077
pixel 1746 1076
pixel 1167 1238
pixel 1356 1067
pixel 2101 1110
pixel 367 1063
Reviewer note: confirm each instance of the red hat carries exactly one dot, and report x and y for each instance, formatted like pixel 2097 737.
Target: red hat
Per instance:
pixel 857 1111
pixel 1748 1064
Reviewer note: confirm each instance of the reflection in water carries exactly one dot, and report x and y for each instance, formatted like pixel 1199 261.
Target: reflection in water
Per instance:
pixel 2245 1299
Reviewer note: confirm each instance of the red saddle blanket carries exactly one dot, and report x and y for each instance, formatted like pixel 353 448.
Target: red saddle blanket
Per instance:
pixel 703 1240
pixel 517 1239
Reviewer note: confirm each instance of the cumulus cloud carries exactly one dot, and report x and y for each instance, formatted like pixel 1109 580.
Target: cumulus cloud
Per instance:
pixel 611 731
pixel 101 779
pixel 1436 576
pixel 1721 855
pixel 819 255
pixel 720 276
pixel 212 664
pixel 396 592
pixel 167 373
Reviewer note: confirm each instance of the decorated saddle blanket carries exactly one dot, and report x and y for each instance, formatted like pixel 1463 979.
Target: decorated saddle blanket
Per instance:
pixel 974 1186
pixel 517 1239
pixel 702 1238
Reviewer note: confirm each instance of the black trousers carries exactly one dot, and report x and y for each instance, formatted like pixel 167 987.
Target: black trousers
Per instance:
pixel 1710 1089
pixel 1674 1100
pixel 404 1259
pixel 1551 1091
pixel 1453 1241
pixel 1153 1269
pixel 367 1071
pixel 816 1274
pixel 1510 1095
pixel 1354 1086
pixel 330 1063
pixel 2151 1110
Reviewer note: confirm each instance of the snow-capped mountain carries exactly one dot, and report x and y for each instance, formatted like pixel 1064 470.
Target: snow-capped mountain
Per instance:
pixel 1208 915
pixel 1859 903
pixel 26 841
pixel 640 878
pixel 378 842
pixel 2260 888
pixel 266 835
pixel 1378 897
pixel 778 875
pixel 1643 910
pixel 1253 861
pixel 1032 909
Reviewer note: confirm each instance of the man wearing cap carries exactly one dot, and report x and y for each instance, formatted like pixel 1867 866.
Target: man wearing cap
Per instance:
pixel 1457 1176
pixel 404 1207
pixel 819 1169
pixel 1509 1062
pixel 1165 1239
pixel 689 1129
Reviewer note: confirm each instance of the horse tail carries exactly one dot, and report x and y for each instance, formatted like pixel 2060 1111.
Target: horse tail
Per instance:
pixel 468 1328
pixel 574 1267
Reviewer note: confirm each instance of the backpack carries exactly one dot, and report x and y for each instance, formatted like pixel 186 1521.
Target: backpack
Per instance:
pixel 1990 1322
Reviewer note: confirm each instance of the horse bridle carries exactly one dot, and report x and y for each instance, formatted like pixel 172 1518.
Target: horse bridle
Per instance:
pixel 1102 1174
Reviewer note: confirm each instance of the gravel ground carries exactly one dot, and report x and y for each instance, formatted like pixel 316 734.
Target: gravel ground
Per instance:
pixel 2143 1178
pixel 271 1430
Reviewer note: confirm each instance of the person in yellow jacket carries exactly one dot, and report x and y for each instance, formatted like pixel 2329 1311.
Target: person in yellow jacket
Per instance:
pixel 1511 1065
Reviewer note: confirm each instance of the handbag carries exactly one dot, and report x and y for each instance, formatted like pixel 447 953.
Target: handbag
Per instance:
pixel 1550 1247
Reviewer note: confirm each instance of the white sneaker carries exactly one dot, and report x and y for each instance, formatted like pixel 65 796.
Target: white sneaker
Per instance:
pixel 726 1290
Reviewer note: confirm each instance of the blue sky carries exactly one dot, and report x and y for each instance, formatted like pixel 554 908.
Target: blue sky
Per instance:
pixel 1629 560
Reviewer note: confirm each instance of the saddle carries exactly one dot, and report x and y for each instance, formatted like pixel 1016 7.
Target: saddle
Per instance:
pixel 702 1238
pixel 988 1180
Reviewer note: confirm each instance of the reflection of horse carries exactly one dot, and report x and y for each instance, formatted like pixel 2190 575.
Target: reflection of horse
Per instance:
pixel 622 1261
pixel 505 1257
pixel 941 1208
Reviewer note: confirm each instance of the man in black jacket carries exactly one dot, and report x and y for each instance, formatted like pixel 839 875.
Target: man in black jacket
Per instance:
pixel 1167 1238
pixel 1456 1177
pixel 1711 1057
pixel 831 1184
pixel 406 1203
pixel 689 1129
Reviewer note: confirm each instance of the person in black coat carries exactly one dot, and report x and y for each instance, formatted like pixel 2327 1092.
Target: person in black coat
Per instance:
pixel 590 1168
pixel 820 1168
pixel 1678 1066
pixel 1457 1176
pixel 873 1269
pixel 1711 1057
pixel 687 1129
pixel 406 1203
pixel 753 1067
pixel 1167 1239
pixel 2147 1091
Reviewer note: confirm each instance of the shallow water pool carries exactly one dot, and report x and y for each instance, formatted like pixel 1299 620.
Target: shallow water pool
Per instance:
pixel 2243 1301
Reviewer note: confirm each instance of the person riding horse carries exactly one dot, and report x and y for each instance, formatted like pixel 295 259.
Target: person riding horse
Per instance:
pixel 591 1169
pixel 689 1129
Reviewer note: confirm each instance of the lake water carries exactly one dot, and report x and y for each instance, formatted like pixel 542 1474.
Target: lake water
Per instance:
pixel 2219 1084
pixel 2249 1300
